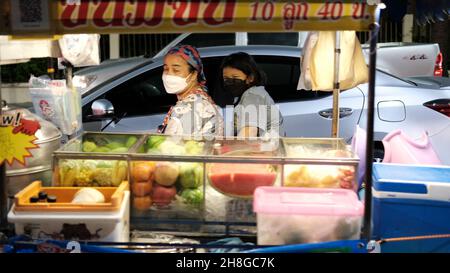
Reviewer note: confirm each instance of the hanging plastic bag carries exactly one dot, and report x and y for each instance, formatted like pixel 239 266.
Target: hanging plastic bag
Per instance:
pixel 352 66
pixel 304 82
pixel 80 49
pixel 55 102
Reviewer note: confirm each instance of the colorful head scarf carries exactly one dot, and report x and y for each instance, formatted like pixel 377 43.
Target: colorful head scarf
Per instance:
pixel 191 56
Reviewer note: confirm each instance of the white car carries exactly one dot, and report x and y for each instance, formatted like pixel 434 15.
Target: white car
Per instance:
pixel 400 59
pixel 134 88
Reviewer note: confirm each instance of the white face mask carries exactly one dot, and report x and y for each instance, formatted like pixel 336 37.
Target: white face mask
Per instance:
pixel 174 84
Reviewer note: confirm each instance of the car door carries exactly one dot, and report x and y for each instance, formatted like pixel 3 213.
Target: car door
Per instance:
pixel 140 104
pixel 307 113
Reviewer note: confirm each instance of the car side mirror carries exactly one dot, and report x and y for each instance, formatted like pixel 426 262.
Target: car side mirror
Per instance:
pixel 102 108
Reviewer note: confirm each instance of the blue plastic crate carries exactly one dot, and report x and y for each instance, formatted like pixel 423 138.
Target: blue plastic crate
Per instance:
pixel 411 200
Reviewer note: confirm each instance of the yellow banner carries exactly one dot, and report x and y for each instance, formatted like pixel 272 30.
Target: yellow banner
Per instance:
pixel 142 16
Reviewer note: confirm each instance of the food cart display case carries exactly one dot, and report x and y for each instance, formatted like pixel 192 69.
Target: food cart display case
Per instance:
pixel 319 163
pixel 182 184
pixel 93 159
pixel 351 15
pixel 167 183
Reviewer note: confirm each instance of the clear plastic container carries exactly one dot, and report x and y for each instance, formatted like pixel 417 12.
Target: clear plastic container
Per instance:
pixel 90 172
pixel 322 163
pixel 241 179
pixel 101 143
pixel 168 190
pixel 306 215
pixel 93 160
pixel 231 184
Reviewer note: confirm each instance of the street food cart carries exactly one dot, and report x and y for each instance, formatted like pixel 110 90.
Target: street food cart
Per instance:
pixel 280 165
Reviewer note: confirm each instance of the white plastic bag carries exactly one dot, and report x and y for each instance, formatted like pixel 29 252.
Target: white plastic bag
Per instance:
pixel 317 71
pixel 80 49
pixel 55 102
pixel 304 82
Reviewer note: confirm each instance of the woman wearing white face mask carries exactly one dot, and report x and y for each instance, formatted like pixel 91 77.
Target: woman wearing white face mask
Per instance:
pixel 195 113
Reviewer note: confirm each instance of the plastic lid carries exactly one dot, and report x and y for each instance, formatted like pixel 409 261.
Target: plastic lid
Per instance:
pixel 51 199
pixel 384 172
pixel 307 201
pixel 34 199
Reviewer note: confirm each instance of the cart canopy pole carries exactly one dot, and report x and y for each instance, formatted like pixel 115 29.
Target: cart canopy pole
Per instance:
pixel 336 87
pixel 370 120
pixel 118 16
pixel 3 195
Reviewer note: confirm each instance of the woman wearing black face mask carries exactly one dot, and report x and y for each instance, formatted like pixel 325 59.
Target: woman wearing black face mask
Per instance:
pixel 255 113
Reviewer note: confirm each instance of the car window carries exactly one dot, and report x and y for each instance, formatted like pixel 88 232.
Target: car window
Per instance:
pixel 209 39
pixel 288 39
pixel 211 67
pixel 141 95
pixel 282 79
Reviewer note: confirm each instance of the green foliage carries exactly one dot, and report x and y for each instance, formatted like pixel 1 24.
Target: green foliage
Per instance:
pixel 14 73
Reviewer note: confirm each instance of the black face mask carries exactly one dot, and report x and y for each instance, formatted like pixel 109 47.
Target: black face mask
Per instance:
pixel 235 86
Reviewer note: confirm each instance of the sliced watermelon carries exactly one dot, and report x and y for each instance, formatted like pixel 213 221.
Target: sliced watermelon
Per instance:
pixel 240 179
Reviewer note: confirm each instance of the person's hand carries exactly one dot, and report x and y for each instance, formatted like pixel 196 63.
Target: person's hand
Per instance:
pixel 28 127
pixel 346 177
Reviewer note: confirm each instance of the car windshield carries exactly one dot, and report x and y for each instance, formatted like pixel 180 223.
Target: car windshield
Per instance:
pixel 438 82
pixel 406 80
pixel 111 74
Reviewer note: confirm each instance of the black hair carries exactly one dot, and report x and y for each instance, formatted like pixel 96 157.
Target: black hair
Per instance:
pixel 191 68
pixel 245 63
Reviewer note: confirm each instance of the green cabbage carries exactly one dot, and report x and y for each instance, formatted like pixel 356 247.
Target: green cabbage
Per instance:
pixel 191 175
pixel 193 147
pixel 169 147
pixel 153 142
pixel 193 196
